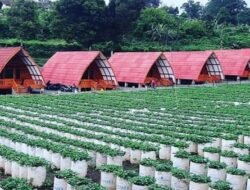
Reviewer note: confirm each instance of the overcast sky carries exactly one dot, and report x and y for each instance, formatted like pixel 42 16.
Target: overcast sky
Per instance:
pixel 180 2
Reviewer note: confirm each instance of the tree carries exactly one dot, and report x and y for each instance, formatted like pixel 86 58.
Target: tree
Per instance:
pixel 217 9
pixel 192 9
pixel 22 19
pixel 171 10
pixel 156 25
pixel 1 4
pixel 244 17
pixel 78 20
pixel 122 15
pixel 193 29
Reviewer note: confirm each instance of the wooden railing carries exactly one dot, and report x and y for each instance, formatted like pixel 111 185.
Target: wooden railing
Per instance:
pixel 20 87
pixel 166 82
pixel 159 82
pixel 88 83
pixel 210 79
pixel 34 84
pixel 6 83
pixel 106 84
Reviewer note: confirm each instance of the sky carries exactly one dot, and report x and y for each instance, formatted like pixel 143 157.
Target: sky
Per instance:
pixel 178 3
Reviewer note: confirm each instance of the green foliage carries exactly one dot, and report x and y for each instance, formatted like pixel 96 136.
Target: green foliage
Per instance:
pixel 241 146
pixel 221 185
pixel 235 171
pixel 109 168
pixel 125 25
pixel 15 184
pixel 143 181
pixel 192 9
pixel 158 187
pixel 182 154
pixel 245 158
pixel 78 20
pixel 216 165
pixel 198 159
pixel 156 25
pixel 126 174
pixel 229 154
pixel 180 174
pixel 21 19
pixel 200 179
pixel 212 149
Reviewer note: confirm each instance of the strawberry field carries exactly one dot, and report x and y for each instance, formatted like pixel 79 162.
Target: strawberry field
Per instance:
pixel 194 138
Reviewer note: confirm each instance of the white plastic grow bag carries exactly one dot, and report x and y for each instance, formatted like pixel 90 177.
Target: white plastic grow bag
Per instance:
pixel 31 150
pixel 14 169
pixel 126 156
pixel 198 186
pixel 237 182
pixel 24 148
pixel 92 161
pixel 59 184
pixel 212 156
pixel 244 166
pixel 179 184
pixel 227 144
pixel 181 163
pixel 108 180
pixel 18 146
pixel 230 162
pixel 70 187
pixel 193 147
pixel 146 171
pixel 216 142
pixel 7 167
pixel 241 151
pixel 100 159
pixel 247 140
pixel 117 160
pixel 23 172
pixel 39 152
pixel 150 155
pixel 216 175
pixel 1 162
pixel 65 163
pixel 135 156
pixel 56 160
pixel 36 175
pixel 165 152
pixel 163 178
pixel 198 168
pixel 139 187
pixel 47 155
pixel 248 184
pixel 122 184
pixel 200 148
pixel 80 167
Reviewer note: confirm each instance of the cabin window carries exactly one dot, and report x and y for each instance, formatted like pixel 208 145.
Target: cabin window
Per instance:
pixel 8 73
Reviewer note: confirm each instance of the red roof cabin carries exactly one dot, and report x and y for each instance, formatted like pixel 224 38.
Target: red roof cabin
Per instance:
pixel 195 67
pixel 18 71
pixel 86 70
pixel 137 69
pixel 235 63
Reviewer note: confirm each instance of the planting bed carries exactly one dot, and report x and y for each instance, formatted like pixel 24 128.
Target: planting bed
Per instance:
pixel 178 138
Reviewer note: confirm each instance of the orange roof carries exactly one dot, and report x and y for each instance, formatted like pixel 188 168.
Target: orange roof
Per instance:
pixel 233 62
pixel 6 54
pixel 68 67
pixel 188 65
pixel 133 67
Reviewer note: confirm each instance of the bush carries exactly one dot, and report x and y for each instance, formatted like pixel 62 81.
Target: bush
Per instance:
pixel 200 179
